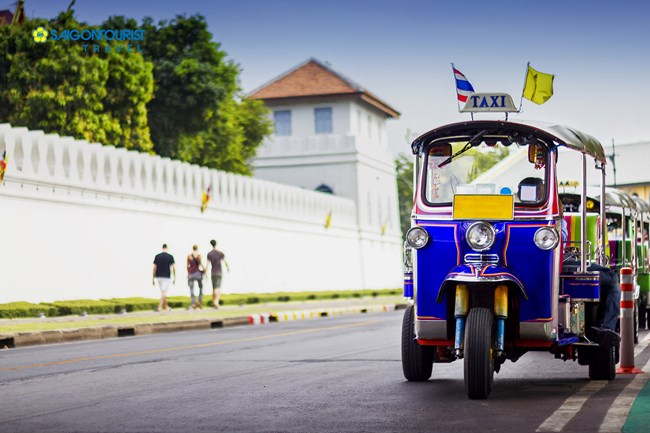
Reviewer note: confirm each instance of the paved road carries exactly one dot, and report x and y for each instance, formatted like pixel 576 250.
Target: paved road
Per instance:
pixel 340 374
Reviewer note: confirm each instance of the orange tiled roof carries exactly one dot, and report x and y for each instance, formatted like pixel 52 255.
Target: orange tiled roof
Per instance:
pixel 313 78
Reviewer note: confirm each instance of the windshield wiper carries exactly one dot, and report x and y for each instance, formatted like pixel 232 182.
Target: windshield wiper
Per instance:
pixel 471 143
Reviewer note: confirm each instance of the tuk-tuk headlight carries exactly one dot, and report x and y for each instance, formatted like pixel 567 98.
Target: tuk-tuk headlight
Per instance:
pixel 480 236
pixel 546 238
pixel 417 237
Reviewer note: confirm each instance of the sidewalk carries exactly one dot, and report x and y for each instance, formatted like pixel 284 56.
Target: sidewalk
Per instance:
pixel 33 331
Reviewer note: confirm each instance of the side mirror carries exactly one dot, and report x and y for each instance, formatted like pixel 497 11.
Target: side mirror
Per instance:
pixel 532 153
pixel 537 156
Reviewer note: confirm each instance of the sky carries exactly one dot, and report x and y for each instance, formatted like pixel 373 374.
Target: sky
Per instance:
pixel 401 51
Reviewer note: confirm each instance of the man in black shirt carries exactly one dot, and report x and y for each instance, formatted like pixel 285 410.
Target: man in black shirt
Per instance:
pixel 163 269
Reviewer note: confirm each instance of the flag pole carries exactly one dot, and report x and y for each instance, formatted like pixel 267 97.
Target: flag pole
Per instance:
pixel 454 75
pixel 521 101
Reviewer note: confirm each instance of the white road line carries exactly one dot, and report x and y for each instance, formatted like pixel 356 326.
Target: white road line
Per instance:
pixel 642 345
pixel 618 412
pixel 570 407
pixel 620 409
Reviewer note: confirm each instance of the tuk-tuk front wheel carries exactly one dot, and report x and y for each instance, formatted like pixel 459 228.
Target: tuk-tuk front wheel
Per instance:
pixel 417 361
pixel 479 362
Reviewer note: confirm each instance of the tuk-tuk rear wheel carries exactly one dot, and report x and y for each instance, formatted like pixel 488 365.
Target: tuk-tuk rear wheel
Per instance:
pixel 417 361
pixel 603 364
pixel 479 362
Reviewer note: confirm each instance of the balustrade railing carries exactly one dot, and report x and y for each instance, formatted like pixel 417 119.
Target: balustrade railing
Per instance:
pixel 36 158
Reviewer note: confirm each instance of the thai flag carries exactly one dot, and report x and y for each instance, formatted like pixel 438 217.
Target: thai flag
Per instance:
pixel 463 86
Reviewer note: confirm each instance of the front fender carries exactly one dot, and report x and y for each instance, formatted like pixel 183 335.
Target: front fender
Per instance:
pixel 487 273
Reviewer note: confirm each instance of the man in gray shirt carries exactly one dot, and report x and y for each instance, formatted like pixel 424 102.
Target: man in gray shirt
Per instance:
pixel 214 259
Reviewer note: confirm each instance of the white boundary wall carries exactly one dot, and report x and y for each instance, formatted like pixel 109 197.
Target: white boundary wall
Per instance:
pixel 82 220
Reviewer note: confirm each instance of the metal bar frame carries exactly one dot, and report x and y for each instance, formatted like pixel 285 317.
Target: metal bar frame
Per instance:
pixel 583 217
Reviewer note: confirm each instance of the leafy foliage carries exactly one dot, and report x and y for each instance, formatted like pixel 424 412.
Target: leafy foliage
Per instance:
pixel 404 168
pixel 199 113
pixel 61 88
pixel 116 305
pixel 175 94
pixel 484 160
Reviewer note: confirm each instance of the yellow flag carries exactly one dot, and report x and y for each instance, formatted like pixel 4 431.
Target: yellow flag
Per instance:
pixel 538 87
pixel 328 220
pixel 205 199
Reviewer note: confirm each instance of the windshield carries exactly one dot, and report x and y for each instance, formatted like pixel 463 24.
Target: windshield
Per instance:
pixel 485 167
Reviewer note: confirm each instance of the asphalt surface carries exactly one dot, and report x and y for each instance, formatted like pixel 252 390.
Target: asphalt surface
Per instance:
pixel 331 374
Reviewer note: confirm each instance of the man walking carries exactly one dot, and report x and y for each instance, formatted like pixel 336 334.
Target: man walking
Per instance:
pixel 163 268
pixel 214 258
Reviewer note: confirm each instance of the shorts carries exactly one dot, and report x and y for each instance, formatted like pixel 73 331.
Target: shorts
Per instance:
pixel 194 276
pixel 216 281
pixel 164 283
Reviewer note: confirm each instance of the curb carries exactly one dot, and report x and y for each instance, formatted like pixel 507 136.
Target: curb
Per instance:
pixel 22 339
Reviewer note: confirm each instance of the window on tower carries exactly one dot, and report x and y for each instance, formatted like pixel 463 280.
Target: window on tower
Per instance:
pixel 323 120
pixel 282 120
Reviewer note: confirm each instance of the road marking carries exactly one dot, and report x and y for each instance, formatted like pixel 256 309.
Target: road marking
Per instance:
pixel 571 406
pixel 179 348
pixel 642 345
pixel 620 409
pixel 617 413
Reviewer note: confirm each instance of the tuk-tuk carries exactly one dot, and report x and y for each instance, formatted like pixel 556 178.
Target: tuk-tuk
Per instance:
pixel 623 244
pixel 483 265
pixel 639 231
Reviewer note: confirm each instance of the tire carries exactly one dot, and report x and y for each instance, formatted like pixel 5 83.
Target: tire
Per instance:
pixel 603 366
pixel 642 316
pixel 417 361
pixel 479 363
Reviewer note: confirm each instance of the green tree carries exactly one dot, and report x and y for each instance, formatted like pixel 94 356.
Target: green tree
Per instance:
pixel 484 160
pixel 404 171
pixel 59 87
pixel 199 113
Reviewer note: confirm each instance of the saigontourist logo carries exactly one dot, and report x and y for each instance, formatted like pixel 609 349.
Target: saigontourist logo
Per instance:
pixel 40 35
pixel 95 41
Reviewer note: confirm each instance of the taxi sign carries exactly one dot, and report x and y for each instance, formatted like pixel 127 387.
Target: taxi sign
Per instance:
pixel 489 102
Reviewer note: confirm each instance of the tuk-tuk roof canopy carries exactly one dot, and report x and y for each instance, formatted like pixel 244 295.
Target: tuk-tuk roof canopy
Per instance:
pixel 613 197
pixel 616 197
pixel 558 134
pixel 641 205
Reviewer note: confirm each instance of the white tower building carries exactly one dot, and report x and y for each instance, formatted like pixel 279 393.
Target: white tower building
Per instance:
pixel 330 136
